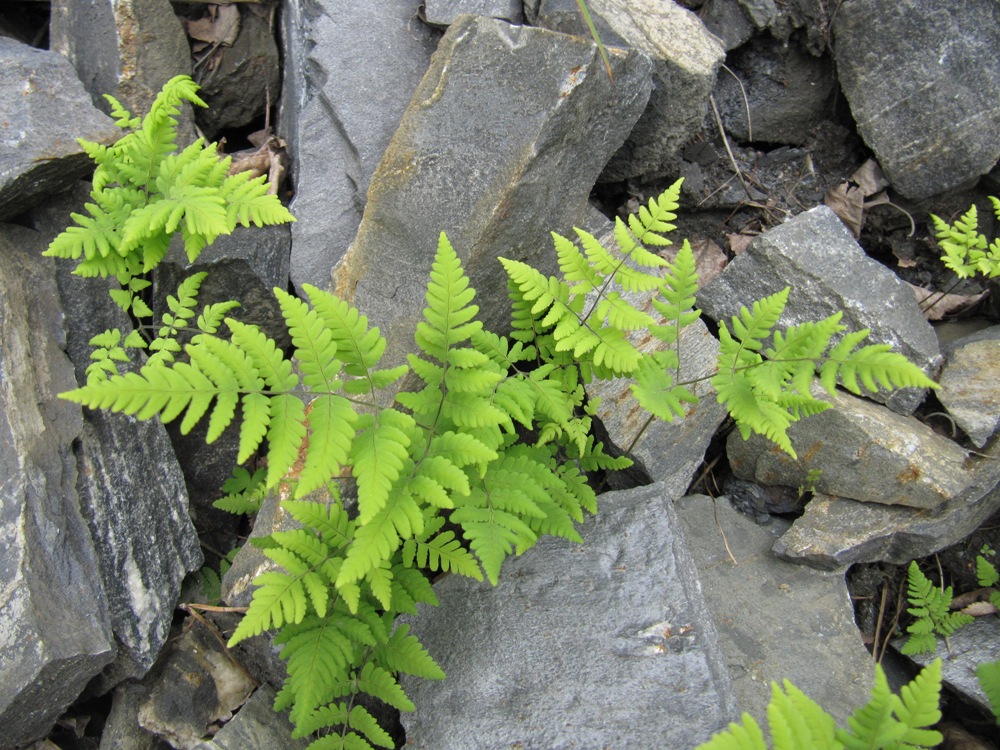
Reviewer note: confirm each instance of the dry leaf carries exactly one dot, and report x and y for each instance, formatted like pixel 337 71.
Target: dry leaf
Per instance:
pixel 848 199
pixel 938 305
pixel 220 27
pixel 980 609
pixel 738 242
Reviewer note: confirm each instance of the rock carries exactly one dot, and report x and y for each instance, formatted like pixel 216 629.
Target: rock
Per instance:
pixel 858 450
pixel 350 71
pixel 255 727
pixel 126 48
pixel 122 730
pixel 39 154
pixel 760 502
pixel 668 452
pixel 686 58
pixel 502 142
pixel 775 621
pixel 604 644
pixel 55 632
pixel 924 87
pixel 199 687
pixel 240 81
pixel 143 535
pixel 969 386
pixel 444 12
pixel 787 90
pixel 835 532
pixel 828 271
pixel 727 20
pixel 968 647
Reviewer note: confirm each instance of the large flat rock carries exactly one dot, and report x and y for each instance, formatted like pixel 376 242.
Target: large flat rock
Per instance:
pixel 502 142
pixel 604 644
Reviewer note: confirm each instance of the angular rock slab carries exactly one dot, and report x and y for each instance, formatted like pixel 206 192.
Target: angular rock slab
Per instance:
pixel 502 142
pixel 604 644
pixel 444 12
pixel 833 532
pixel 861 450
pixel 668 452
pixel 922 78
pixel 39 154
pixel 828 271
pixel 969 386
pixel 126 48
pixel 54 623
pixel 350 70
pixel 775 621
pixel 686 58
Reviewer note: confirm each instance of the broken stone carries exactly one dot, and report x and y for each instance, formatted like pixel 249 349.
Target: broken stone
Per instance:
pixel 343 95
pixel 776 621
pixel 255 727
pixel 198 689
pixel 39 154
pixel 502 142
pixel 650 673
pixel 858 450
pixel 126 48
pixel 969 386
pixel 122 730
pixel 927 106
pixel 828 271
pixel 834 532
pixel 686 58
pixel 55 632
pixel 728 21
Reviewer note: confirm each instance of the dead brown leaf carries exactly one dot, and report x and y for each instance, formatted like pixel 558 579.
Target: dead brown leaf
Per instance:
pixel 980 609
pixel 738 242
pixel 938 305
pixel 220 26
pixel 850 198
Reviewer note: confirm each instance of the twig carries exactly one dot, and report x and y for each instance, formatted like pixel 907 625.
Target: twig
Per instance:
pixel 715 513
pixel 725 142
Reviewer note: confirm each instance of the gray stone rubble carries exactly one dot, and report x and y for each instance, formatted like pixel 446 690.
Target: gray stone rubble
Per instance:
pixel 493 121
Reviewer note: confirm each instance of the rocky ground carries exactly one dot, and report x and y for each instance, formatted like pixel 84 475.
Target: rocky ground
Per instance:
pixel 814 139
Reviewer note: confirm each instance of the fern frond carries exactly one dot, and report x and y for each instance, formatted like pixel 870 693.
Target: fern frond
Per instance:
pixel 744 736
pixel 988 674
pixel 449 318
pixel 315 348
pixel 248 202
pixel 378 456
pixel 796 721
pixel 246 492
pixel 628 277
pixel 332 423
pixel 876 365
pixel 402 652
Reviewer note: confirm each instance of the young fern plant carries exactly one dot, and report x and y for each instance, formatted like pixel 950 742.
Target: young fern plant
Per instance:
pixel 931 606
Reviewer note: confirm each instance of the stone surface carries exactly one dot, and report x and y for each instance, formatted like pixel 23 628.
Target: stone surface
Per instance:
pixel 502 143
pixel 444 12
pixel 126 48
pixel 727 20
pixel 604 644
pixel 969 386
pixel 255 727
pixel 834 532
pixel 145 541
pixel 668 452
pixel 775 621
pixel 350 72
pixel 122 730
pixel 968 647
pixel 923 84
pixel 45 110
pixel 788 92
pixel 239 81
pixel 54 623
pixel 859 450
pixel 828 271
pixel 198 689
pixel 686 58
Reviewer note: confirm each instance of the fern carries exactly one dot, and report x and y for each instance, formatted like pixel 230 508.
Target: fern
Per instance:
pixel 965 249
pixel 931 606
pixel 886 722
pixel 988 674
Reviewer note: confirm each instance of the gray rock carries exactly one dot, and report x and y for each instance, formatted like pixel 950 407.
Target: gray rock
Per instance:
pixel 969 387
pixel 788 92
pixel 727 20
pixel 502 142
pixel 126 48
pixel 968 647
pixel 858 450
pixel 199 687
pixel 604 644
pixel 686 58
pixel 776 621
pixel 835 532
pixel 923 84
pixel 668 452
pixel 122 730
pixel 239 81
pixel 255 727
pixel 444 12
pixel 39 154
pixel 350 71
pixel 145 541
pixel 817 256
pixel 55 633
pixel 762 12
